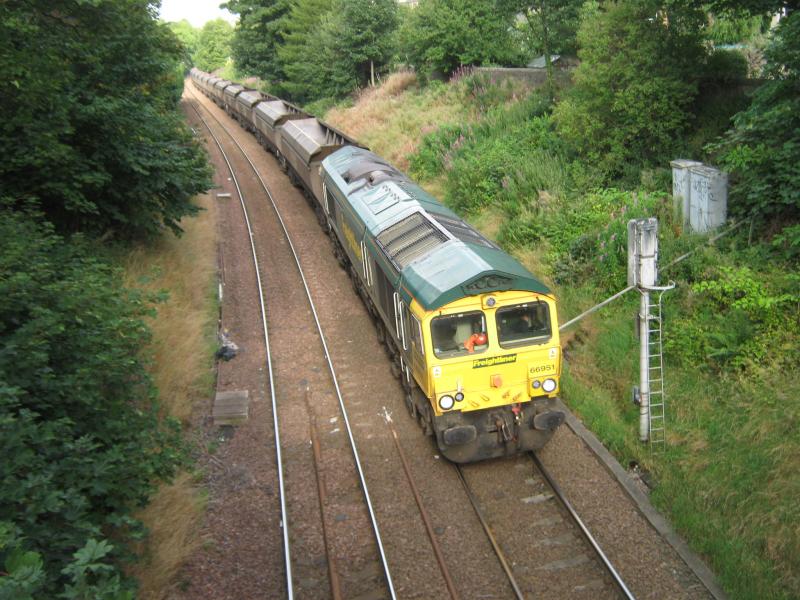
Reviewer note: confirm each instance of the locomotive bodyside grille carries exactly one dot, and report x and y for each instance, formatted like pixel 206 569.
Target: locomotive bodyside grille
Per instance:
pixel 410 238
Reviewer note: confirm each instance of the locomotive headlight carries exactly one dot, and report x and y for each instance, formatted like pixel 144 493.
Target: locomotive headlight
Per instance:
pixel 548 385
pixel 446 402
pixel 459 396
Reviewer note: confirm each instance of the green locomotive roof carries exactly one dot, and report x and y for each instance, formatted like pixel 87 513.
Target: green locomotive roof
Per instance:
pixel 457 269
pixel 439 257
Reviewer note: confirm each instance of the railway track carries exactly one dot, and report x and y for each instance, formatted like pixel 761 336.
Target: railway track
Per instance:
pixel 542 543
pixel 546 556
pixel 299 382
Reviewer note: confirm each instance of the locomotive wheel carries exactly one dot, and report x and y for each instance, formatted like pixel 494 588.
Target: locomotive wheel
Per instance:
pixel 338 252
pixel 323 222
pixel 381 333
pixel 396 370
pixel 411 405
pixel 425 418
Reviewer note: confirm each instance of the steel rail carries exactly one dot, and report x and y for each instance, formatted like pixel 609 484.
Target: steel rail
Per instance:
pixel 485 524
pixel 346 419
pixel 284 521
pixel 584 530
pixel 437 551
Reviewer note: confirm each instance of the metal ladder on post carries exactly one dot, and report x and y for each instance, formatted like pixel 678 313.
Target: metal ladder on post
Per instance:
pixel 657 414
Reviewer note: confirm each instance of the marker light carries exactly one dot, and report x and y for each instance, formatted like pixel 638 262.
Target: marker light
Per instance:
pixel 459 396
pixel 446 402
pixel 490 302
pixel 537 384
pixel 548 385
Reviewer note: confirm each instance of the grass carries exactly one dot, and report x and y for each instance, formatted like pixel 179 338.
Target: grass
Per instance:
pixel 729 480
pixel 182 367
pixel 391 118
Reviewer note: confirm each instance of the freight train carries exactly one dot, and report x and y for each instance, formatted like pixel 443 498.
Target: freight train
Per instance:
pixel 472 335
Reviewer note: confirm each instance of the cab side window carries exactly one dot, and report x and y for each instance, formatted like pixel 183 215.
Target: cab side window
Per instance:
pixel 416 335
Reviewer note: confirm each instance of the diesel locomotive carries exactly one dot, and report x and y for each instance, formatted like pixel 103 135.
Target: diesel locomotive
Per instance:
pixel 472 335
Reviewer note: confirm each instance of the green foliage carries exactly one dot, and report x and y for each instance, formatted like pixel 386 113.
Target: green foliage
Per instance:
pixel 442 35
pixel 259 33
pixel 726 66
pixel 366 35
pixel 788 242
pixel 762 151
pixel 189 38
pixel 550 25
pixel 80 439
pixel 508 158
pixel 91 577
pixel 428 160
pixel 629 105
pixel 213 45
pixel 728 28
pixel 301 54
pixel 738 320
pixel 88 575
pixel 89 127
pixel 23 570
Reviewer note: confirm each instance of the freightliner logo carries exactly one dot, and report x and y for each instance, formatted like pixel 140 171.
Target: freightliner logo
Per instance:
pixel 494 360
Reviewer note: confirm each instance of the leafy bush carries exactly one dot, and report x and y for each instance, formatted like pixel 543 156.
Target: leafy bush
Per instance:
pixel 629 104
pixel 589 236
pixel 763 149
pixel 442 35
pixel 428 160
pixel 80 438
pixel 87 576
pixel 733 28
pixel 91 133
pixel 738 320
pixel 726 66
pixel 506 160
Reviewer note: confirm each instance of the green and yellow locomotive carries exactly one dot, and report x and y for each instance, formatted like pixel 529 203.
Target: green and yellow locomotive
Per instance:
pixel 474 336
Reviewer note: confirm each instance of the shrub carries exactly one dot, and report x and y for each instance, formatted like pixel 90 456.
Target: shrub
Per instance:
pixel 726 66
pixel 629 104
pixel 763 149
pixel 738 320
pixel 80 439
pixel 589 235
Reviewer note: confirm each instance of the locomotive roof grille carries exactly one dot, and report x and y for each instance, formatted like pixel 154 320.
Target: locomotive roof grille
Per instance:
pixel 409 239
pixel 462 231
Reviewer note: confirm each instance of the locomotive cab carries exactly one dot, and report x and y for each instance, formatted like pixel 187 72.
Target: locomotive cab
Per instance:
pixel 489 366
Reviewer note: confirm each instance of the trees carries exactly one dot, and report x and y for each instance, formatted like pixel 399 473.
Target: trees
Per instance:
pixel 92 146
pixel 763 148
pixel 629 105
pixel 552 27
pixel 260 31
pixel 333 46
pixel 88 121
pixel 80 442
pixel 213 45
pixel 442 35
pixel 189 37
pixel 366 35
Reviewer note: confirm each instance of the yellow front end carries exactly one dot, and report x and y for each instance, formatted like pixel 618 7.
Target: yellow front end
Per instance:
pixel 492 387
